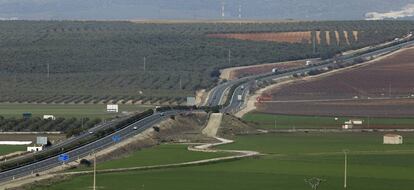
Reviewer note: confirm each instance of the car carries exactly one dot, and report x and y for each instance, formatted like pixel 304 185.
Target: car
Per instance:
pixel 90 132
pixel 135 128
pixel 162 114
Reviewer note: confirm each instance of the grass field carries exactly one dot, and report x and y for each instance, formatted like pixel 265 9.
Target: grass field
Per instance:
pixel 7 149
pixel 159 155
pixel 64 110
pixel 289 160
pixel 268 121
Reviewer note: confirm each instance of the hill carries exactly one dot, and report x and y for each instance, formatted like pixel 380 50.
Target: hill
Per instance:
pixel 91 62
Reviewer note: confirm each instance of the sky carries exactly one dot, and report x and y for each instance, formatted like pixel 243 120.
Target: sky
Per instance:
pixel 206 9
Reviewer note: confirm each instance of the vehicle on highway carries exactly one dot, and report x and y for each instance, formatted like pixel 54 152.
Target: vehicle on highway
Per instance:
pixel 135 128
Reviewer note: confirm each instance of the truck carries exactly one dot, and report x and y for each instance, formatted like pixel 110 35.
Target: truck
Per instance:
pixel 239 97
pixel 274 70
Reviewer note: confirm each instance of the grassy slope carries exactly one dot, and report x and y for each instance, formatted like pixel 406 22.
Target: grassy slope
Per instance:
pixel 7 149
pixel 287 121
pixel 163 154
pixel 64 110
pixel 380 171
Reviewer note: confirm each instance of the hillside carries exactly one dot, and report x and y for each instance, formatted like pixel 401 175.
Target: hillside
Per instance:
pixel 91 62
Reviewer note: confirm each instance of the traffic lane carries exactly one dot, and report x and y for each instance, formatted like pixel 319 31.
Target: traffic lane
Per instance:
pixel 52 162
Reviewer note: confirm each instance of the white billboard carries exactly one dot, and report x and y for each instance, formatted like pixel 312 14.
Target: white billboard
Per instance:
pixel 112 108
pixel 191 101
pixel 41 140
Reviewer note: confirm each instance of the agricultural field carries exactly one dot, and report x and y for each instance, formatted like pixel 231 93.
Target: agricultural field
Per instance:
pixel 8 149
pixel 289 159
pixel 289 37
pixel 271 121
pixel 383 88
pixel 319 37
pixel 151 63
pixel 66 110
pixel 53 138
pixel 68 126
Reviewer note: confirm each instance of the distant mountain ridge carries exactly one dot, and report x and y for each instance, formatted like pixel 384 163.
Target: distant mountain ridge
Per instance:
pixel 202 9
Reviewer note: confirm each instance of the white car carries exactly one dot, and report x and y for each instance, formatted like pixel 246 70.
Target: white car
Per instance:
pixel 135 128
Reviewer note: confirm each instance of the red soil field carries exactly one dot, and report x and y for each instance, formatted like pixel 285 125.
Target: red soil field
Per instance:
pixel 290 37
pixel 383 88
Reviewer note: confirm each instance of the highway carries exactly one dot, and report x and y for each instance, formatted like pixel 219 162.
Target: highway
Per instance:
pixel 85 150
pixel 235 105
pixel 216 97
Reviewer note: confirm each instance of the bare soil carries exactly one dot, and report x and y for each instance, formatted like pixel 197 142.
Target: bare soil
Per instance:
pixel 382 88
pixel 290 37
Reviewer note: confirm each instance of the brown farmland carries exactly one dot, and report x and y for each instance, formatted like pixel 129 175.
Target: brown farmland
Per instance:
pixel 290 37
pixel 384 88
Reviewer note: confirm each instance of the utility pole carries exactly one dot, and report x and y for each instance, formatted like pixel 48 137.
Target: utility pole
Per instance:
pixel 222 9
pixel 145 62
pixel 389 90
pixel 82 123
pixel 346 168
pixel 275 123
pixel 48 70
pixel 181 84
pixel 314 43
pixel 229 56
pixel 94 171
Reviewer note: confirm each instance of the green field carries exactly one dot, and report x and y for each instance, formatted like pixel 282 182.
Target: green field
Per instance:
pixel 289 159
pixel 7 149
pixel 270 121
pixel 65 110
pixel 159 155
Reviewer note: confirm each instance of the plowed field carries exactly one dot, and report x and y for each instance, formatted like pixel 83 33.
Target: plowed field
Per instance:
pixel 383 88
pixel 290 37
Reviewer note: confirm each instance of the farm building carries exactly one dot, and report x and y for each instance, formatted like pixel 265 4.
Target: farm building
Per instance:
pixel 393 139
pixel 354 122
pixel 347 126
pixel 34 148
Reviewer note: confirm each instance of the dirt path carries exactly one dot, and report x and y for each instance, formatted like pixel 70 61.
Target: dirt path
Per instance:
pixel 213 124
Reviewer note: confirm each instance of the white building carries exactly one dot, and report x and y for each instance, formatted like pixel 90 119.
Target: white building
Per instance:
pixel 52 117
pixel 393 139
pixel 112 108
pixel 347 126
pixel 34 148
pixel 354 122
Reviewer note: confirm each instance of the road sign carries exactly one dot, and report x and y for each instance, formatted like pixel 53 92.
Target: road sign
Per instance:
pixel 116 138
pixel 63 157
pixel 41 140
